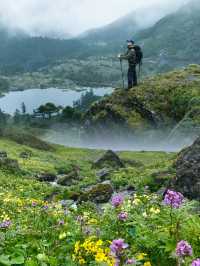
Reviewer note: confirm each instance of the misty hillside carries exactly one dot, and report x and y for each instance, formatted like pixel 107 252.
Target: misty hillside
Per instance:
pixel 175 39
pixel 167 102
pixel 172 42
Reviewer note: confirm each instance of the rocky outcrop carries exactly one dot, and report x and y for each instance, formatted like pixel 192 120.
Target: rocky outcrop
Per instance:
pixel 187 179
pixel 109 160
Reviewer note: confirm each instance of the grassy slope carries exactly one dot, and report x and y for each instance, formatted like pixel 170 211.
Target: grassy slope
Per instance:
pixel 62 158
pixel 169 95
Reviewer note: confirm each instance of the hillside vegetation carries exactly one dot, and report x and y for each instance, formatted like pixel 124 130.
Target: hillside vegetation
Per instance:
pixel 42 224
pixel 164 102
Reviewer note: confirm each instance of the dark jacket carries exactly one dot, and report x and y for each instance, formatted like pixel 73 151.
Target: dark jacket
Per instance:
pixel 130 55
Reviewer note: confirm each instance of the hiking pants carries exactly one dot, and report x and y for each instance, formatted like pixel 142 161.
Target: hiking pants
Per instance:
pixel 132 76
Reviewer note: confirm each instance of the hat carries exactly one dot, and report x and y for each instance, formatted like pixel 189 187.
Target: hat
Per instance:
pixel 130 41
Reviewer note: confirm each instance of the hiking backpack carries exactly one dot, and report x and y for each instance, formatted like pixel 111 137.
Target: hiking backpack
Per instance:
pixel 139 54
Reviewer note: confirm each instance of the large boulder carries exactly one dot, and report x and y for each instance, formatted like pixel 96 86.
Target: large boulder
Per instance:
pixel 109 160
pixel 69 179
pixel 187 179
pixel 100 193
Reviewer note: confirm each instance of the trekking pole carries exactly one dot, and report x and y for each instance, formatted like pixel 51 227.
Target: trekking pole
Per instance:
pixel 123 83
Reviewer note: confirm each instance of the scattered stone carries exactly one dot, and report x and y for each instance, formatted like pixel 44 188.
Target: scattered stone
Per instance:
pixel 187 179
pixel 3 154
pixel 46 177
pixel 9 164
pixel 25 155
pixel 103 173
pixel 70 179
pixel 100 193
pixel 109 160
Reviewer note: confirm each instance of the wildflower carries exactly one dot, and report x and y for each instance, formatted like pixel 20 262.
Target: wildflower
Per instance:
pixel 183 249
pixel 122 216
pixel 61 222
pixel 130 262
pixel 45 207
pixel 118 245
pixel 62 236
pixel 34 204
pixel 173 198
pixel 5 224
pixel 148 263
pixel 141 256
pixel 117 200
pixel 154 210
pixel 196 262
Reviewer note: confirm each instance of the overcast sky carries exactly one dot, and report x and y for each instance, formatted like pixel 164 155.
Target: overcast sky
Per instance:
pixel 46 17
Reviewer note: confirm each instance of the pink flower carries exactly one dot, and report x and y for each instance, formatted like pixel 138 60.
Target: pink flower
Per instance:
pixel 196 262
pixel 117 246
pixel 117 200
pixel 122 216
pixel 173 198
pixel 130 262
pixel 183 249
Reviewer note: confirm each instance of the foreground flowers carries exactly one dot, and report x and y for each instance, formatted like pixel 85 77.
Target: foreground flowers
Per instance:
pixel 173 198
pixel 117 200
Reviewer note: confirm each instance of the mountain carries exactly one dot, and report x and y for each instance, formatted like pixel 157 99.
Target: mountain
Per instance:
pixel 174 40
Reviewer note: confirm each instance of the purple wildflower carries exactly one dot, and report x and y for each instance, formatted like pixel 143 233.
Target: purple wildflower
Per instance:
pixel 196 262
pixel 5 224
pixel 183 249
pixel 45 207
pixel 61 222
pixel 122 216
pixel 130 262
pixel 117 246
pixel 34 204
pixel 117 200
pixel 173 198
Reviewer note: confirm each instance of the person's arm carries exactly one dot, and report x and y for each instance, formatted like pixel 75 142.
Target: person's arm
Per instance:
pixel 129 55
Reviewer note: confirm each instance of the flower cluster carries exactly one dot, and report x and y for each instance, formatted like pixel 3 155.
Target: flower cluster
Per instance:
pixel 117 200
pixel 173 198
pixel 183 249
pixel 94 249
pixel 5 224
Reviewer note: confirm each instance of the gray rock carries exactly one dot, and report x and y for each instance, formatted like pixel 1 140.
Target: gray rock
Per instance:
pixel 46 177
pixel 103 173
pixel 3 154
pixel 100 193
pixel 9 164
pixel 187 179
pixel 109 160
pixel 70 179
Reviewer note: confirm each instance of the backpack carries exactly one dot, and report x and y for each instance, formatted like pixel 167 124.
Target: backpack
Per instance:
pixel 139 54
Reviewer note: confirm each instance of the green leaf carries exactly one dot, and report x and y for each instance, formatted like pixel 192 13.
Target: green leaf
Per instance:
pixel 17 260
pixel 4 259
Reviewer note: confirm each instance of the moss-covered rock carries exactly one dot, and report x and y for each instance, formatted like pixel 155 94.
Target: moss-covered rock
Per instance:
pixel 9 164
pixel 109 160
pixel 100 193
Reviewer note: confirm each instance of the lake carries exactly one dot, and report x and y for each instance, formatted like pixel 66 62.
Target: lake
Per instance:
pixel 33 98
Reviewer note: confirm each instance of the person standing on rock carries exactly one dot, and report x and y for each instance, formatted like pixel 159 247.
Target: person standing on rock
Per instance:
pixel 134 56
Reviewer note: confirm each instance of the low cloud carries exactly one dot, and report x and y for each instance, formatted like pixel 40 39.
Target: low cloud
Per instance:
pixel 64 17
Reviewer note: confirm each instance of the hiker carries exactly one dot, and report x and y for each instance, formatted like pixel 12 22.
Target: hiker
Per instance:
pixel 134 56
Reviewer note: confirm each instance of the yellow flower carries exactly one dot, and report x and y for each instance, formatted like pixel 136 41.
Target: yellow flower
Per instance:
pixel 154 210
pixel 62 236
pixel 148 263
pixel 141 256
